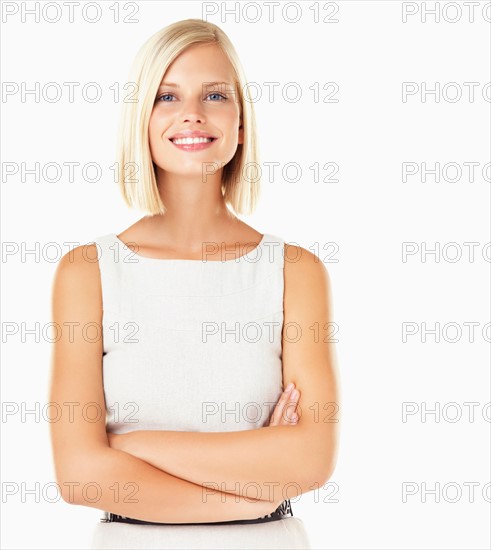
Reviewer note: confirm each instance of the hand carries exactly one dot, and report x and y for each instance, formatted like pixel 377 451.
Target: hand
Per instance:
pixel 285 412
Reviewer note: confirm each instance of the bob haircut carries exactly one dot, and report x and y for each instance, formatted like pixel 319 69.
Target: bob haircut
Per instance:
pixel 136 170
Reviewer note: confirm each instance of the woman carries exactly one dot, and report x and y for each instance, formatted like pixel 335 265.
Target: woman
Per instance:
pixel 185 432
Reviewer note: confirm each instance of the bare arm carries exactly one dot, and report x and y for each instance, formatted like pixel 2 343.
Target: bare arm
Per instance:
pixel 89 472
pixel 292 460
pixel 120 483
pixel 155 447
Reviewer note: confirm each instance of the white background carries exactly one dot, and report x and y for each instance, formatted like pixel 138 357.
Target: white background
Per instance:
pixel 368 213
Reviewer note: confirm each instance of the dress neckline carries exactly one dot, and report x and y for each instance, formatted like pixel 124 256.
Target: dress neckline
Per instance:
pixel 251 254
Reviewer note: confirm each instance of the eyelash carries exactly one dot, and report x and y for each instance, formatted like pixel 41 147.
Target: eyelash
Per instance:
pixel 224 98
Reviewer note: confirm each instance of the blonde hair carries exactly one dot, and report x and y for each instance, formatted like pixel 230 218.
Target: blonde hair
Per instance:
pixel 136 170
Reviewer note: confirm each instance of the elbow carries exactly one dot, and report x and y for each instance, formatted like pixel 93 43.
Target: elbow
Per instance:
pixel 312 464
pixel 78 480
pixel 68 491
pixel 320 462
pixel 324 474
pixel 318 470
pixel 67 485
pixel 316 477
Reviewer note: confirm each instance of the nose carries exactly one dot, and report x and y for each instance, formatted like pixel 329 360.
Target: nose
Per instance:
pixel 192 111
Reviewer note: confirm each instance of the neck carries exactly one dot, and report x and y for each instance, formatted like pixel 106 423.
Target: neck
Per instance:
pixel 195 210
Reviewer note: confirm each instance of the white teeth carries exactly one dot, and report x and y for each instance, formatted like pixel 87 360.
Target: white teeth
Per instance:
pixel 188 141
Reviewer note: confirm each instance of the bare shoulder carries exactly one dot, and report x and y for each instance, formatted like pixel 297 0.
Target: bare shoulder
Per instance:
pixel 305 273
pixel 77 279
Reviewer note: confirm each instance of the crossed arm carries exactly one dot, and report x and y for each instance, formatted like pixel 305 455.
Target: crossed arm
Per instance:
pixel 160 464
pixel 225 461
pixel 282 459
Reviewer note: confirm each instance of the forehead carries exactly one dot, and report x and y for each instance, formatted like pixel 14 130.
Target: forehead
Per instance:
pixel 202 63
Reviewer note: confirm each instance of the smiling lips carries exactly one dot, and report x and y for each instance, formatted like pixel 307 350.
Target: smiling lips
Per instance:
pixel 192 140
pixel 188 140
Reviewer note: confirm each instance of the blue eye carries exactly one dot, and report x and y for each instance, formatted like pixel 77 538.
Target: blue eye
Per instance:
pixel 220 97
pixel 165 95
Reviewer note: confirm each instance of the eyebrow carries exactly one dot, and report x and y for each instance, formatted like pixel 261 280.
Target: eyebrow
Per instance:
pixel 173 85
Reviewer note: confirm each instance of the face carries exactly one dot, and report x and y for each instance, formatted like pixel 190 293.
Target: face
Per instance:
pixel 186 101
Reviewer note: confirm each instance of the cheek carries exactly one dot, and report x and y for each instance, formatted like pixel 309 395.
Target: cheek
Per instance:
pixel 154 126
pixel 157 126
pixel 230 121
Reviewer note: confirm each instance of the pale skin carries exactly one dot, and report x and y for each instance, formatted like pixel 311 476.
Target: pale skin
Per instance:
pixel 158 475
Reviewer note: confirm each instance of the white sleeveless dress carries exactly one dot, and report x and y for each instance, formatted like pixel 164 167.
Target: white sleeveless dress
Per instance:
pixel 193 345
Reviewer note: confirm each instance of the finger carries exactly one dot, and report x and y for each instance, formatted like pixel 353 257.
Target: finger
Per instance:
pixel 294 396
pixel 288 409
pixel 281 403
pixel 278 410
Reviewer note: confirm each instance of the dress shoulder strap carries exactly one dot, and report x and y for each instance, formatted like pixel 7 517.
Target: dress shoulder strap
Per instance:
pixel 109 258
